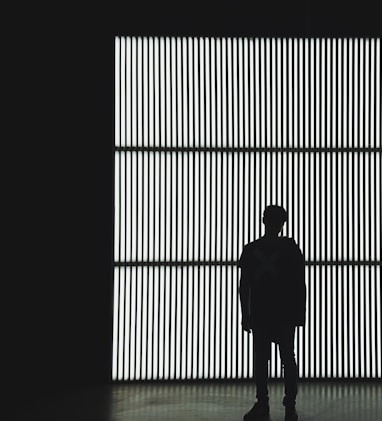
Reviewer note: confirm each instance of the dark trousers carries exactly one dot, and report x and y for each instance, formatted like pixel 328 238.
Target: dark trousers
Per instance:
pixel 284 337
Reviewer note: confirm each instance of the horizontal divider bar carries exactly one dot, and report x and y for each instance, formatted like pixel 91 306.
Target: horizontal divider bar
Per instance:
pixel 182 149
pixel 233 263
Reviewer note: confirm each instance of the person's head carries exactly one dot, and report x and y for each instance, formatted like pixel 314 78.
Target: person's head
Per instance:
pixel 274 218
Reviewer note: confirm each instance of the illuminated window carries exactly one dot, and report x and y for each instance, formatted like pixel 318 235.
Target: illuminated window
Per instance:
pixel 208 131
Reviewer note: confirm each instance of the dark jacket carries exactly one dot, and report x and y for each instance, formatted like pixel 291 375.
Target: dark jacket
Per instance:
pixel 272 286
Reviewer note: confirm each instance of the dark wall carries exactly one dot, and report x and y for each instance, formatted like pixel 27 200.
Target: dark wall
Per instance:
pixel 58 157
pixel 59 169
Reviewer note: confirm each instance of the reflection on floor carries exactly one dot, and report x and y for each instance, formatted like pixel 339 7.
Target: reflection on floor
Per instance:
pixel 317 401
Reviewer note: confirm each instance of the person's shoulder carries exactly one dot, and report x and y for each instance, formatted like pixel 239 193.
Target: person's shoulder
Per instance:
pixel 249 245
pixel 258 243
pixel 289 243
pixel 246 252
pixel 291 246
pixel 288 240
pixel 248 248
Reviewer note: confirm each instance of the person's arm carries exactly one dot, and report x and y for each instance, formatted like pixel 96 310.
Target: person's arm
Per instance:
pixel 244 290
pixel 301 291
pixel 300 288
pixel 244 293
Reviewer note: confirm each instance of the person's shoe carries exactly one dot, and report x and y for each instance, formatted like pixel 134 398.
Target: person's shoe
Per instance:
pixel 290 413
pixel 260 411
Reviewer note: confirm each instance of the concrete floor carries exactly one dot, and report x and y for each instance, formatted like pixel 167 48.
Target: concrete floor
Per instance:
pixel 317 401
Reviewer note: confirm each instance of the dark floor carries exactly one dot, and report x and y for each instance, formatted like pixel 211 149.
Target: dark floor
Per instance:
pixel 317 401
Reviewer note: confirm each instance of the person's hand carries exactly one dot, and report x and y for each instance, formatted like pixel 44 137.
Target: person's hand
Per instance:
pixel 246 325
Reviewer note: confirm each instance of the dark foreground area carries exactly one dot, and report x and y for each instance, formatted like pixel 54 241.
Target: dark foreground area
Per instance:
pixel 317 401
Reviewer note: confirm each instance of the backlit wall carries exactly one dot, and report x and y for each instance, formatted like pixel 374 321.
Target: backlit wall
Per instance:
pixel 208 131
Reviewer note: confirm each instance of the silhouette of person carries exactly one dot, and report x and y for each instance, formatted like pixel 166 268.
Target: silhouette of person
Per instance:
pixel 273 301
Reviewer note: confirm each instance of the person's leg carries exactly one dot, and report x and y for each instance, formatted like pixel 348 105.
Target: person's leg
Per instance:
pixel 286 346
pixel 262 348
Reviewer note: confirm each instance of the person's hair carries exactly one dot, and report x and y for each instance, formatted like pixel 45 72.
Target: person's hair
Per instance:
pixel 275 213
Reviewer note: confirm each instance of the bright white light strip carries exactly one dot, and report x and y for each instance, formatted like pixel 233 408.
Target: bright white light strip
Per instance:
pixel 151 208
pixel 348 327
pixel 196 325
pixel 301 81
pixel 323 322
pixel 144 321
pixel 342 73
pixel 273 84
pixel 219 199
pixel 290 93
pixel 213 314
pixel 356 102
pixel 114 373
pixel 176 91
pixel 246 93
pixel 201 103
pixel 207 87
pixel 182 52
pixel 178 318
pixel 194 98
pixel 186 304
pixel 122 205
pixel 117 201
pixel 139 201
pixel 345 325
pixel 156 326
pixel 151 75
pixel 295 91
pixel 230 200
pixel 373 310
pixel 164 337
pixel 127 213
pixel 181 210
pixel 350 92
pixel 145 93
pixel 191 229
pixel 256 87
pixel 207 313
pixel 372 93
pixel 117 92
pixel 278 92
pixel 143 60
pixel 218 343
pixel 201 328
pixel 139 141
pixel 368 332
pixel 183 205
pixel 262 91
pixel 235 93
pixel 211 200
pixel 123 92
pixel 161 336
pixel 218 100
pixel 378 93
pixel 336 293
pixel 376 271
pixel 140 340
pixel 378 210
pixel 224 320
pixel 267 93
pixel 121 325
